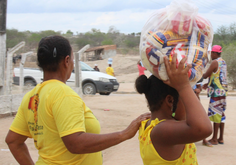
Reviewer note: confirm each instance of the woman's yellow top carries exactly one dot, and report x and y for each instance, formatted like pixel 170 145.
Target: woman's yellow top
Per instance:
pixel 150 155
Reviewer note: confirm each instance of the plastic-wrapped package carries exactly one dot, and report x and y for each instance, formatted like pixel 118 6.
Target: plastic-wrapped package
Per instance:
pixel 179 29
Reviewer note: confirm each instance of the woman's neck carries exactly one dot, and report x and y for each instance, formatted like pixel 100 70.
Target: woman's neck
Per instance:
pixel 53 75
pixel 161 114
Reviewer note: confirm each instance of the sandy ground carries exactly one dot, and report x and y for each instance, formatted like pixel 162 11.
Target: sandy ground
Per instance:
pixel 123 108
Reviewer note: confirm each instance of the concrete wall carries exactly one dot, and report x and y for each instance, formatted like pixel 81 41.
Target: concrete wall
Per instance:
pixel 109 53
pixel 9 104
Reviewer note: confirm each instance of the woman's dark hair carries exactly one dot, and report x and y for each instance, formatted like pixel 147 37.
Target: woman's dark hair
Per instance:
pixel 155 91
pixel 51 50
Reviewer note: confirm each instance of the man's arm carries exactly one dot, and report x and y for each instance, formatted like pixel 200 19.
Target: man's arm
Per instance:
pixel 18 148
pixel 213 68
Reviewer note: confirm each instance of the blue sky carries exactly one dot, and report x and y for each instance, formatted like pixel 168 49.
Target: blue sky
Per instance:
pixel 81 16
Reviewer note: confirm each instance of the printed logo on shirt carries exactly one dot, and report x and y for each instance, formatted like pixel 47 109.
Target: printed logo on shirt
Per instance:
pixel 33 106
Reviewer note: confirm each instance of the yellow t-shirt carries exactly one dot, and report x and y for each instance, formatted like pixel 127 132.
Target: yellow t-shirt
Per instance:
pixel 50 111
pixel 150 155
pixel 110 71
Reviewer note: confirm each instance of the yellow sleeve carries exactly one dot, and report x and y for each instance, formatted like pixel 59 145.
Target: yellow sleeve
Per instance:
pixel 68 113
pixel 20 124
pixel 112 70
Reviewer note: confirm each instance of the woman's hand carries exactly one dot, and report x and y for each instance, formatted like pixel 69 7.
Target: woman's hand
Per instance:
pixel 131 130
pixel 197 125
pixel 81 142
pixel 178 76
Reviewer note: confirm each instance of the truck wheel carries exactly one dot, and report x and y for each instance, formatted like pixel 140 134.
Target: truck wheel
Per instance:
pixel 108 93
pixel 29 83
pixel 89 89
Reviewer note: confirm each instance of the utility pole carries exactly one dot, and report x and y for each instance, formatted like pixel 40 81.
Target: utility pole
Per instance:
pixel 23 58
pixel 9 75
pixel 78 76
pixel 3 10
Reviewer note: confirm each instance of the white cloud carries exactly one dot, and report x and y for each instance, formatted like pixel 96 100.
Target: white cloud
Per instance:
pixel 104 19
pixel 124 21
pixel 218 20
pixel 52 6
pixel 81 16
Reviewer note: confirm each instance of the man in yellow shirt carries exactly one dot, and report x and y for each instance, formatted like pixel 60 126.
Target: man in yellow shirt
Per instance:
pixel 110 70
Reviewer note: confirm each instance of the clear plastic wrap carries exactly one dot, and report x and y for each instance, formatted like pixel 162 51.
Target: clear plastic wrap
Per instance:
pixel 176 29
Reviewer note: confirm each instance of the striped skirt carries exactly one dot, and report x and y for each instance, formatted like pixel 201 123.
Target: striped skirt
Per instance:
pixel 216 110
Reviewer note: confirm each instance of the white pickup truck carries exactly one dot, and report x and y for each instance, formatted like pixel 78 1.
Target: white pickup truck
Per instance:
pixel 92 81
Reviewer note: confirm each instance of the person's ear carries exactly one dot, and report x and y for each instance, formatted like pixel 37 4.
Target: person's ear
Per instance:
pixel 169 101
pixel 66 61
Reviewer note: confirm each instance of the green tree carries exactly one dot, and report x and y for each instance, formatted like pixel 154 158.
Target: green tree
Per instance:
pixel 114 35
pixel 81 42
pixel 226 37
pixel 14 37
pixel 96 36
pixel 132 41
pixel 229 55
pixel 46 33
pixel 69 32
pixel 107 42
pixel 34 38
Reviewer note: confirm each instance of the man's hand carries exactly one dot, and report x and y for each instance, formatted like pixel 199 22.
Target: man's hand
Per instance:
pixel 205 86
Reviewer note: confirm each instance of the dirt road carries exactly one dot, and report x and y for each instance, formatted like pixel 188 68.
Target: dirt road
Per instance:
pixel 123 108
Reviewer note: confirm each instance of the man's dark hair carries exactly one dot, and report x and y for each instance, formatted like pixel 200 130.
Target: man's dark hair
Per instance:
pixel 155 91
pixel 51 50
pixel 218 53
